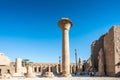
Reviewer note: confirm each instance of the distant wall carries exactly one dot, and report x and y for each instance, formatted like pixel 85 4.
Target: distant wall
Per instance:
pixel 4 60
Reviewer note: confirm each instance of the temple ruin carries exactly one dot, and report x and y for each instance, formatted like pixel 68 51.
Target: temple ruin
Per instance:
pixel 104 59
pixel 9 68
pixel 105 54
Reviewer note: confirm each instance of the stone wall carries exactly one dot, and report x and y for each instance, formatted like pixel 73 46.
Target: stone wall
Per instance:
pixel 95 48
pixel 6 66
pixel 117 49
pixel 4 60
pixel 112 51
pixel 109 52
pixel 6 71
pixel 110 44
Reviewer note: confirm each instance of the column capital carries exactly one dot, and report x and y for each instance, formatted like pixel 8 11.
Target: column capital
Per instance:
pixel 65 24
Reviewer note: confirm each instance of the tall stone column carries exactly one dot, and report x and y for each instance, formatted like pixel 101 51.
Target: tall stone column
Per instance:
pixel 65 24
pixel 18 65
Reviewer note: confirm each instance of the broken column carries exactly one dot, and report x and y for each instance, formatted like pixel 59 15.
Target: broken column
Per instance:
pixel 30 73
pixel 18 65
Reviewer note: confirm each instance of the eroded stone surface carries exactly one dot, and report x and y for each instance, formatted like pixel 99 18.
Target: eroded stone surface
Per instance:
pixel 110 44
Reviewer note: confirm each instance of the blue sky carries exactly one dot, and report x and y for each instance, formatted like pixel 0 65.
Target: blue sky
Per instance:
pixel 28 28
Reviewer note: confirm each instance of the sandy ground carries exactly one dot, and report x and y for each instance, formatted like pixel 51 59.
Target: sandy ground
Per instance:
pixel 63 78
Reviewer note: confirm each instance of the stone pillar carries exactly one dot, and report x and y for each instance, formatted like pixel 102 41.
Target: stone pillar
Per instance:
pixel 65 25
pixel 49 68
pixel 57 68
pixel 29 69
pixel 18 65
pixel 80 65
pixel 30 72
pixel 71 69
pixel 37 69
pixel 33 68
pixel 41 69
pixel 60 68
pixel 74 68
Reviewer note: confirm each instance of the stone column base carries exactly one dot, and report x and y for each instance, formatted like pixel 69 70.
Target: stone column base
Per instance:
pixel 30 75
pixel 18 75
pixel 66 75
pixel 48 74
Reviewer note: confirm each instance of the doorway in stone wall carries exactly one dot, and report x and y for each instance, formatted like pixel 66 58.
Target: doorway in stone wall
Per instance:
pixel 8 71
pixel 0 72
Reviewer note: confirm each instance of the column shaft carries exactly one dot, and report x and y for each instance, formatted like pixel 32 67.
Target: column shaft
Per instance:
pixel 18 65
pixel 65 52
pixel 65 24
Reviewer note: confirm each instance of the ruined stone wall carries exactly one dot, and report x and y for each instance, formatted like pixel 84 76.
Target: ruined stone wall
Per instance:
pixel 12 68
pixel 6 66
pixel 117 49
pixel 110 44
pixel 109 52
pixel 7 69
pixel 88 65
pixel 95 48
